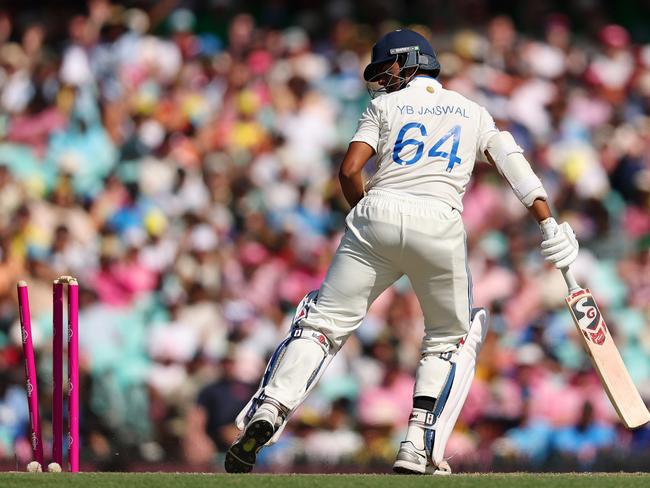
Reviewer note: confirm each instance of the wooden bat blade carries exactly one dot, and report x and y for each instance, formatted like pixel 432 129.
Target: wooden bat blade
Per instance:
pixel 607 360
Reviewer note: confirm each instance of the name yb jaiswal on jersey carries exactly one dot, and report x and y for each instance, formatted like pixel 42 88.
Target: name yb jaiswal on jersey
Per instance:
pixel 433 110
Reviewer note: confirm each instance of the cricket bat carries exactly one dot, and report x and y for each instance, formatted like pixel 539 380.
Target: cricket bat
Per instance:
pixel 604 354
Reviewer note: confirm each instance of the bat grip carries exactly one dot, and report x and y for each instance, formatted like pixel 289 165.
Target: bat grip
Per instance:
pixel 571 282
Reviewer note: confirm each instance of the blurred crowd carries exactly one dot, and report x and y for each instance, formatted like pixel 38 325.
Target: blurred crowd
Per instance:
pixel 183 167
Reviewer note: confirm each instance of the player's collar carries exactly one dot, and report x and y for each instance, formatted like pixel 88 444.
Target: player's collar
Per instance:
pixel 424 80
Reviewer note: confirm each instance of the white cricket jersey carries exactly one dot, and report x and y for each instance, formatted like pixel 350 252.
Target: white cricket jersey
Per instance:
pixel 426 139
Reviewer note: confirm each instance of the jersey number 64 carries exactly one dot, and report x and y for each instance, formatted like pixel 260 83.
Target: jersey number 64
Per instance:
pixel 401 143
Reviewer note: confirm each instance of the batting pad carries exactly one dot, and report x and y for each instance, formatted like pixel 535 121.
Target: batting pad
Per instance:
pixel 465 360
pixel 298 360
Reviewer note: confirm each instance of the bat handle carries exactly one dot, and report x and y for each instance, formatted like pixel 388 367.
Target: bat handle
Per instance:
pixel 571 282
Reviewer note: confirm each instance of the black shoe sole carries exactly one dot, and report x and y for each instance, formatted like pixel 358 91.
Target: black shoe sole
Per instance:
pixel 241 456
pixel 400 470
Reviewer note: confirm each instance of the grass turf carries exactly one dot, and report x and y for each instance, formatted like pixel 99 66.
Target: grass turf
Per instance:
pixel 177 480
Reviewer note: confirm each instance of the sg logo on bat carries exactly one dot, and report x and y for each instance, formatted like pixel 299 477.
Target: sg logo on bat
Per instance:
pixel 584 309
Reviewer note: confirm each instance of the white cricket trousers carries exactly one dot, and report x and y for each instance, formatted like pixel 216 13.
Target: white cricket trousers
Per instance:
pixel 388 236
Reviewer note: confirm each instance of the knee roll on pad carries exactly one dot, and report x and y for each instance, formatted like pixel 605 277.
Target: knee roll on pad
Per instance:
pixel 294 368
pixel 511 163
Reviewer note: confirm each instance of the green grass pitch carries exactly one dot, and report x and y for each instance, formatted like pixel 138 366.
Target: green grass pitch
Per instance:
pixel 164 480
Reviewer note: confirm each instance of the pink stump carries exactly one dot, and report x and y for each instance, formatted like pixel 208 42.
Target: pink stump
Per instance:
pixel 73 376
pixel 30 372
pixel 57 374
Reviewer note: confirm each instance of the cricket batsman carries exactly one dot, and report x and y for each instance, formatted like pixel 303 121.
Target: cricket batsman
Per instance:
pixel 405 221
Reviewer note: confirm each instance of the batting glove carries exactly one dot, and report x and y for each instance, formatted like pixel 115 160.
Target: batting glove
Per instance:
pixel 560 245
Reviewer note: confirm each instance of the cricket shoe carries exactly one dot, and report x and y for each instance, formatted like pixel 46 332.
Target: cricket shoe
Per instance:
pixel 241 456
pixel 411 460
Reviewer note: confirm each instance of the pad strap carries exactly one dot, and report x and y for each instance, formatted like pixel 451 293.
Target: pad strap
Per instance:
pixel 422 418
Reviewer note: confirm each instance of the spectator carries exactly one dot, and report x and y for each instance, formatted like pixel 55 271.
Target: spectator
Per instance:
pixel 210 426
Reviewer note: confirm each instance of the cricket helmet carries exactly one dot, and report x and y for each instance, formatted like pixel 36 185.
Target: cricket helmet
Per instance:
pixel 406 46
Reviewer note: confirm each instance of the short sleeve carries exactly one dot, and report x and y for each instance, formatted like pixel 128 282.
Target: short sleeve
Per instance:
pixel 486 130
pixel 368 128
